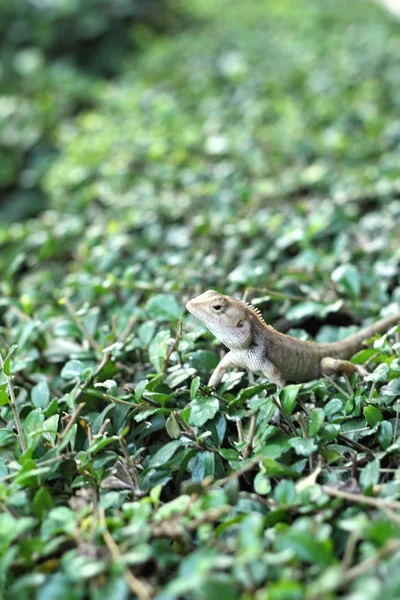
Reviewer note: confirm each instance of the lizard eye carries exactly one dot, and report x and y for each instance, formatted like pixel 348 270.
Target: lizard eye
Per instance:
pixel 217 307
pixel 240 323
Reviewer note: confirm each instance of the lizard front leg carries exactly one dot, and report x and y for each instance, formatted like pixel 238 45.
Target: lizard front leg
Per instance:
pixel 271 372
pixel 332 366
pixel 218 373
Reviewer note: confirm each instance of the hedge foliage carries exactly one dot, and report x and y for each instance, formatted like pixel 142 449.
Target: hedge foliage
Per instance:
pixel 256 153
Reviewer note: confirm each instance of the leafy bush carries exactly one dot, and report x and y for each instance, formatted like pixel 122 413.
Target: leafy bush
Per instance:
pixel 53 57
pixel 256 151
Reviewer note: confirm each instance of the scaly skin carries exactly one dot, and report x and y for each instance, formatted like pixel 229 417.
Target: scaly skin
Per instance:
pixel 259 348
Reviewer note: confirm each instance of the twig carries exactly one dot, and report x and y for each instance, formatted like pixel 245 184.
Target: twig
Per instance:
pixel 104 360
pixel 72 420
pixel 136 586
pixel 131 463
pixel 350 549
pixel 14 407
pixel 174 345
pixel 127 330
pixel 361 499
pixel 239 427
pixel 337 386
pixel 79 322
pixel 250 435
pixel 356 445
pixel 367 564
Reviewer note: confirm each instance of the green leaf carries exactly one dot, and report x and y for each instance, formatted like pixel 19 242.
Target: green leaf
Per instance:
pixel 7 360
pixel 204 408
pixel 285 492
pixel 164 454
pixel 369 475
pixel 373 415
pixel 194 387
pixel 73 369
pixel 317 420
pixel 348 279
pixel 173 428
pixel 392 389
pixel 163 307
pixel 262 484
pixel 288 397
pixel 158 349
pixel 202 465
pixel 139 389
pixel 41 394
pixel 305 547
pixel 42 502
pixel 32 427
pixel 303 447
pixel 49 428
pixel 385 434
pixel 4 399
pixel 381 373
pixel 275 469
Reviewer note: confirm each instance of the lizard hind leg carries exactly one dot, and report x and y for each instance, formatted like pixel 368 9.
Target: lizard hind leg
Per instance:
pixel 333 366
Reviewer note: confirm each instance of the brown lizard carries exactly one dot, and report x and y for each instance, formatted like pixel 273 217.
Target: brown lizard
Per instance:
pixel 258 347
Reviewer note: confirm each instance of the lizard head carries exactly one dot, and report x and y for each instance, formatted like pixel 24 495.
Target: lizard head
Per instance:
pixel 228 319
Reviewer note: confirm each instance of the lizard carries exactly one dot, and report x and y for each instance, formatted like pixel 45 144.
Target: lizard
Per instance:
pixel 258 347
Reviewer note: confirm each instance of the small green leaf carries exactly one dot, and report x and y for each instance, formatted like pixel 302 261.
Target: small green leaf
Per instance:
pixel 392 389
pixel 72 369
pixel 194 387
pixel 172 427
pixel 369 475
pixel 288 397
pixel 203 409
pixel 109 384
pixel 7 360
pixel 373 415
pixel 262 484
pixel 275 469
pixel 4 399
pixel 41 394
pixel 306 547
pixel 303 447
pixel 385 434
pixel 32 427
pixel 317 420
pixel 42 502
pixel 285 492
pixel 139 389
pixel 349 280
pixel 158 349
pixel 163 307
pixel 202 465
pixel 164 454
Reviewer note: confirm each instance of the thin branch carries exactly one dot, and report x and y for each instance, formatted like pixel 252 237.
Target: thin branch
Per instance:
pixel 361 499
pixel 366 565
pixel 250 435
pixel 72 420
pixel 79 322
pixel 337 386
pixel 136 586
pixel 174 345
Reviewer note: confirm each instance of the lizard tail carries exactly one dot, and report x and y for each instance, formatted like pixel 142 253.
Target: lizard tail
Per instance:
pixel 349 346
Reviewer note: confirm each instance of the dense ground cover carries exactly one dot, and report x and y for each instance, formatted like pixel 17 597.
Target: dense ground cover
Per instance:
pixel 257 153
